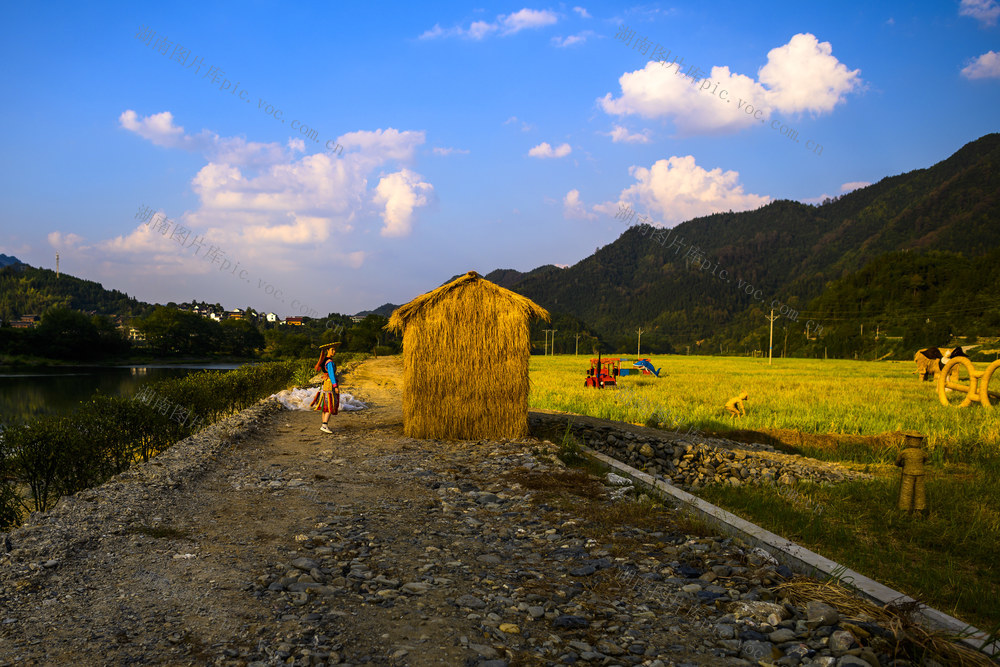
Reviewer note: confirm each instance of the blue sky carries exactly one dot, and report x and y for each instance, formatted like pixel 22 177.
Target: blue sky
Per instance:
pixel 500 136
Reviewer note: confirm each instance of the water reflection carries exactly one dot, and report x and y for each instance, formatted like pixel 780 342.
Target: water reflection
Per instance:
pixel 32 391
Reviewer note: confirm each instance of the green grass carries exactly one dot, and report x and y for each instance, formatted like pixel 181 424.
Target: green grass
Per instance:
pixel 947 559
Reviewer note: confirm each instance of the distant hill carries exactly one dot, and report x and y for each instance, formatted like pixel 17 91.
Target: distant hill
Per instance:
pixel 385 310
pixel 509 277
pixel 26 290
pixel 795 253
pixel 7 260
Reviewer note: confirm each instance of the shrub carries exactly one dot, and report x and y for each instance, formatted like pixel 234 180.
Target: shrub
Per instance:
pixel 54 456
pixel 34 452
pixel 10 507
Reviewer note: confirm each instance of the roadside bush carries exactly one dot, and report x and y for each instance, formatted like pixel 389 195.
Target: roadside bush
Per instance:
pixel 34 451
pixel 10 507
pixel 55 456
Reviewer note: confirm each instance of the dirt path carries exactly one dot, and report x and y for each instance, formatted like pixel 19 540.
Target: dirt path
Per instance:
pixel 284 545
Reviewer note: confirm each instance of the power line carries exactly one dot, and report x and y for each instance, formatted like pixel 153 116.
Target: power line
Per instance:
pixel 920 311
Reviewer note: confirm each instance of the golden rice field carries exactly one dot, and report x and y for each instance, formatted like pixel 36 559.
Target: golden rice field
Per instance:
pixel 949 555
pixel 810 395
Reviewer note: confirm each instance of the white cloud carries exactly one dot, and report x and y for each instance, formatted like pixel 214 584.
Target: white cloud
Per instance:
pixel 382 145
pixel 526 18
pixel 525 127
pixel 582 12
pixel 69 241
pixel 574 209
pixel 800 76
pixel 984 11
pixel 158 128
pixel 677 189
pixel 986 66
pixel 544 150
pixel 400 193
pixel 448 151
pixel 621 135
pixel 658 92
pixel 433 33
pixel 803 75
pixel 479 29
pixel 509 24
pixel 854 185
pixel 579 38
pixel 273 206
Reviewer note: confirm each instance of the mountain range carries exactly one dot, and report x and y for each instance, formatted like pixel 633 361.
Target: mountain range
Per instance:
pixel 927 241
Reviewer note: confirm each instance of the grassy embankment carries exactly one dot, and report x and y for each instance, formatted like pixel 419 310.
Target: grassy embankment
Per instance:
pixel 51 456
pixel 946 559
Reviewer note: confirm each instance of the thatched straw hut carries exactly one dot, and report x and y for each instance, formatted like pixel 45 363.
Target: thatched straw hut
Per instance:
pixel 465 360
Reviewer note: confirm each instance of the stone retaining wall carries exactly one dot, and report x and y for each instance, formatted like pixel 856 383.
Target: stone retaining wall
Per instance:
pixel 692 465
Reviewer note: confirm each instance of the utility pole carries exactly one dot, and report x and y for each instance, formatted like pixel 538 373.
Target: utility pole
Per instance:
pixel 577 352
pixel 547 332
pixel 770 343
pixel 638 345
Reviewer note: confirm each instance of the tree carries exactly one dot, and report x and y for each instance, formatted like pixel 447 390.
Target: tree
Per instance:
pixel 67 334
pixel 366 334
pixel 171 331
pixel 241 338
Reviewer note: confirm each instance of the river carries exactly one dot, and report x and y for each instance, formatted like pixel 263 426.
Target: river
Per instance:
pixel 28 392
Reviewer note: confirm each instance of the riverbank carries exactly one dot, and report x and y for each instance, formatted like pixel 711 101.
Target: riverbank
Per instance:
pixel 19 361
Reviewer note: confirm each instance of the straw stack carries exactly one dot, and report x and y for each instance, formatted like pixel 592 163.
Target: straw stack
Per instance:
pixel 465 360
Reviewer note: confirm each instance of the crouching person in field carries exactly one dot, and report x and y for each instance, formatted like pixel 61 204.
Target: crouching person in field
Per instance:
pixel 734 405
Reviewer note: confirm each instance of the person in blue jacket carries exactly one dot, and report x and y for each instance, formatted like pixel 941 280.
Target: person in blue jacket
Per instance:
pixel 327 399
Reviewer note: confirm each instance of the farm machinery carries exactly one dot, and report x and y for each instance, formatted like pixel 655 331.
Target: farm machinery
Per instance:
pixel 603 373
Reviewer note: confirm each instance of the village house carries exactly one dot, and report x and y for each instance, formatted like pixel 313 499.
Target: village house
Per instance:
pixel 26 322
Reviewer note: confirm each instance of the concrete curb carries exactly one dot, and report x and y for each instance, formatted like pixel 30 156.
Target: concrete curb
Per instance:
pixel 797 558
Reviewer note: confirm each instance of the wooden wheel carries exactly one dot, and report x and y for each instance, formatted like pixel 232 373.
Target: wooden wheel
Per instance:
pixel 958 375
pixel 990 396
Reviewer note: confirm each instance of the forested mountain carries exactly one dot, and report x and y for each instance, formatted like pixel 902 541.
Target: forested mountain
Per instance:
pixel 7 260
pixel 26 290
pixel 797 253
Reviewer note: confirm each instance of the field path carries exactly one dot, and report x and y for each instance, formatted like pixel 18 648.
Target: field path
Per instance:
pixel 283 543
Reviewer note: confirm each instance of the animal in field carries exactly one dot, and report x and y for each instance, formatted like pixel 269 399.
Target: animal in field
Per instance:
pixel 931 360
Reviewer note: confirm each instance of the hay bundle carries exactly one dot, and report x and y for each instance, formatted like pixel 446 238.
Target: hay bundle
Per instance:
pixel 910 640
pixel 465 360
